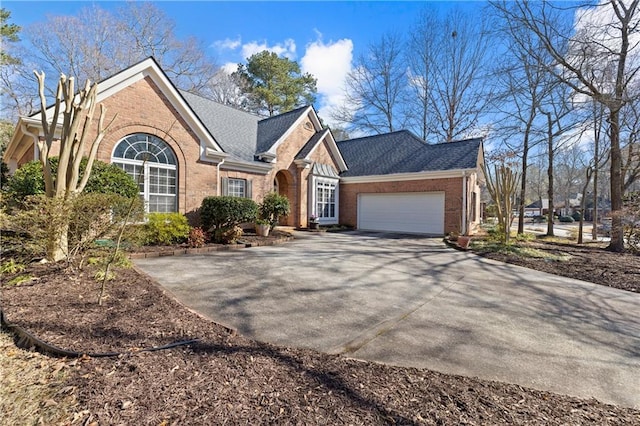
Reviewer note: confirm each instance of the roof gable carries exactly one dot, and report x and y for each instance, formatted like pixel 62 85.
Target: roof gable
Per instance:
pixel 273 130
pixel 150 68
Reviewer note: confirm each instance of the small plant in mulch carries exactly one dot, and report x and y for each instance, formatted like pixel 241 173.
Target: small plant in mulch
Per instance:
pixel 197 237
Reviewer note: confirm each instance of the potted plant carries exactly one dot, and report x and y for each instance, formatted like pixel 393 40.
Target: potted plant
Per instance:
pixel 313 222
pixel 263 226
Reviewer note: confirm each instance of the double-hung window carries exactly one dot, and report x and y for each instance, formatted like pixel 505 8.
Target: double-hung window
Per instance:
pixel 235 187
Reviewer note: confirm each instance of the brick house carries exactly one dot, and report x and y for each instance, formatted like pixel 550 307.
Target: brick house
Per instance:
pixel 188 147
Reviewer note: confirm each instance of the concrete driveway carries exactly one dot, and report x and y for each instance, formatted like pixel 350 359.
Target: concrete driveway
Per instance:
pixel 410 301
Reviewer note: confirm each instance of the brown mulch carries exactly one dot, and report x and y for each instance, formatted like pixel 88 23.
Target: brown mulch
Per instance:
pixel 228 379
pixel 588 262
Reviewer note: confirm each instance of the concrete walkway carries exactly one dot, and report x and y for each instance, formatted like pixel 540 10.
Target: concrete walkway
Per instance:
pixel 411 301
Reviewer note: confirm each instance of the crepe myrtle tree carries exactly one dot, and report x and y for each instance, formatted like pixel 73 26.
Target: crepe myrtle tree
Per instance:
pixel 502 183
pixel 77 137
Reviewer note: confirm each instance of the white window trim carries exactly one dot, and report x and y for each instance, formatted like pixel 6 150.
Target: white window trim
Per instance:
pixel 313 190
pixel 243 184
pixel 146 182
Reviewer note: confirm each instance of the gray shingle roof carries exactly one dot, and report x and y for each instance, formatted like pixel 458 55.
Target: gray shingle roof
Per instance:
pixel 403 152
pixel 236 131
pixel 308 147
pixel 272 128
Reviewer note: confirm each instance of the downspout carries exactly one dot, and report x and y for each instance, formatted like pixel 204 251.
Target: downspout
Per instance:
pixel 464 203
pixel 218 189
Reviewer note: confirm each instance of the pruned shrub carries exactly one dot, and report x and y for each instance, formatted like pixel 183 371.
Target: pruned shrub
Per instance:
pixel 273 206
pixel 197 237
pixel 166 228
pixel 566 219
pixel 576 216
pixel 225 212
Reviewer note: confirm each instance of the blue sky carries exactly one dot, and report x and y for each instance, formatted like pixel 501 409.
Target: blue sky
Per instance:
pixel 324 37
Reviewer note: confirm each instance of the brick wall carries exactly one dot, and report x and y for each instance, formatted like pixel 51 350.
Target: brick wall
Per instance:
pixel 142 108
pixel 452 188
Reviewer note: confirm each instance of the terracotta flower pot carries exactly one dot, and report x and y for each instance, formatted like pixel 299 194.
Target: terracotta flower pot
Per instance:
pixel 464 241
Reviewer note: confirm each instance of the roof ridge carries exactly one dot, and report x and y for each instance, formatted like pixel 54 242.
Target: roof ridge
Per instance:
pixel 378 135
pixel 258 116
pixel 296 110
pixel 479 139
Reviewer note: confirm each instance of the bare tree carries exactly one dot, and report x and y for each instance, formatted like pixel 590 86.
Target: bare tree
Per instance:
pixel 374 88
pixel 595 41
pixel 77 112
pixel 522 87
pixel 229 89
pixel 95 44
pixel 421 54
pixel 630 146
pixel 460 93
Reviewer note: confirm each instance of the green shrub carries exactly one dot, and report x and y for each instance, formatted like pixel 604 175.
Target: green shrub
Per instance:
pixel 110 179
pixel 576 216
pixel 166 228
pixel 273 206
pixel 27 180
pixel 105 179
pixel 225 212
pixel 566 219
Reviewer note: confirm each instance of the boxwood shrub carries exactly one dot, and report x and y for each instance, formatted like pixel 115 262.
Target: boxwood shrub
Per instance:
pixel 225 212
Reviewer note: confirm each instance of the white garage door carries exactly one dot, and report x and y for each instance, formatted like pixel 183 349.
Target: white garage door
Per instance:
pixel 414 212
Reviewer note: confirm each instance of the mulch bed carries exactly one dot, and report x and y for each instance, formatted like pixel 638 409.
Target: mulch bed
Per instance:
pixel 248 239
pixel 228 379
pixel 588 262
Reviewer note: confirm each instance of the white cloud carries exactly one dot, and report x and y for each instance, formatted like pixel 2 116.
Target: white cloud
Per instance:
pixel 230 67
pixel 329 63
pixel 227 44
pixel 286 48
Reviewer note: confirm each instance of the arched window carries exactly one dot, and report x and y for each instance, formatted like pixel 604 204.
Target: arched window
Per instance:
pixel 150 161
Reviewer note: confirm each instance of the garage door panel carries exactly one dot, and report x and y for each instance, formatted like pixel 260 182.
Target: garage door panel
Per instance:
pixel 402 212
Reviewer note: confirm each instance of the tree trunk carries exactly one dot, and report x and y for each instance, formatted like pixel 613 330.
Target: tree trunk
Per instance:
pixel 523 182
pixel 583 202
pixel 550 213
pixel 617 235
pixel 594 218
pixel 58 244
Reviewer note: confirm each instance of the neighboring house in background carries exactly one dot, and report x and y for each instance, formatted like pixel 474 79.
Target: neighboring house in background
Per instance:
pixel 537 208
pixel 188 147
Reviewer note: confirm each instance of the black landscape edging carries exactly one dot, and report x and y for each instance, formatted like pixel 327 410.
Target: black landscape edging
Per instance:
pixel 25 340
